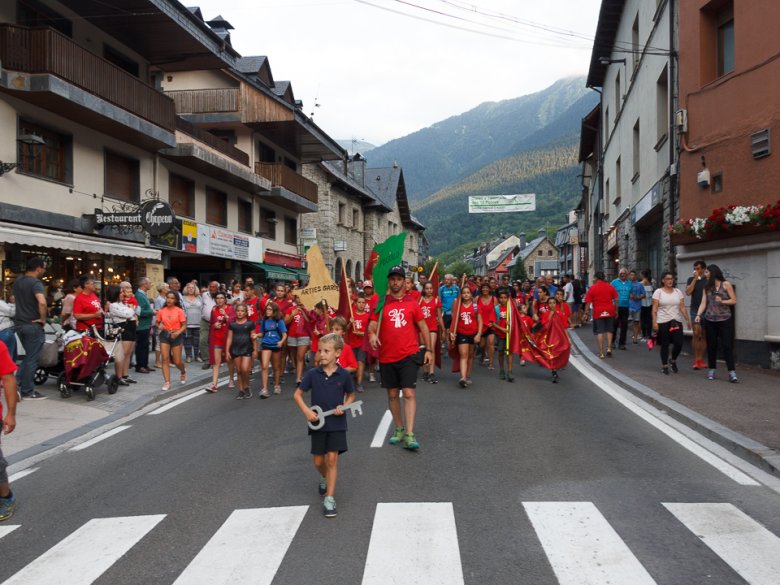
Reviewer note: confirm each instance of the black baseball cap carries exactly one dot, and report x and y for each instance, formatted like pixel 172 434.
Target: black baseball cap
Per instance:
pixel 396 270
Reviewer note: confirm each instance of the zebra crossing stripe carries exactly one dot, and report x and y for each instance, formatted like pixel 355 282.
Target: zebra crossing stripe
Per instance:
pixel 746 546
pixel 247 548
pixel 582 547
pixel 87 553
pixel 413 543
pixel 5 530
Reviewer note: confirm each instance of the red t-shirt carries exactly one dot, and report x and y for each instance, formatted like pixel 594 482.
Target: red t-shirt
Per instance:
pixel 254 309
pixel 299 323
pixel 7 366
pixel 430 311
pixel 601 294
pixel 398 331
pixel 359 325
pixel 467 319
pixel 500 319
pixel 283 304
pixel 87 304
pixel 565 311
pixel 372 302
pixel 488 312
pixel 347 358
pixel 414 293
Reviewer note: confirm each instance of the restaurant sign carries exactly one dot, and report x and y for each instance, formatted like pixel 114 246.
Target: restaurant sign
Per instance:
pixel 153 216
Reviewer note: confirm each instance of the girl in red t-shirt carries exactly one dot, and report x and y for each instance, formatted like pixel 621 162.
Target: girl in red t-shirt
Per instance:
pixel 298 324
pixel 356 334
pixel 487 310
pixel 172 322
pixel 221 316
pixel 466 331
pixel 431 308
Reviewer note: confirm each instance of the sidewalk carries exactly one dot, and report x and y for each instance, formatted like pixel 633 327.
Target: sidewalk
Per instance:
pixel 44 424
pixel 744 417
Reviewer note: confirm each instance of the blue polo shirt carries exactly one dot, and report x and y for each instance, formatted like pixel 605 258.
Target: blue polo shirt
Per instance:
pixel 624 291
pixel 447 295
pixel 638 290
pixel 328 392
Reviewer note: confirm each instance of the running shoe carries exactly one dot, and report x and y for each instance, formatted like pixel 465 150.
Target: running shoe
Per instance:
pixel 323 485
pixel 7 507
pixel 665 370
pixel 277 389
pixel 240 395
pixel 360 389
pixel 425 376
pixel 410 442
pixel 522 363
pixel 397 436
pixel 674 367
pixel 166 386
pixel 468 382
pixel 371 377
pixel 462 382
pixel 263 394
pixel 510 377
pixel 329 507
pixel 231 384
pixel 129 380
pixel 248 393
pixel 711 375
pixel 554 377
pixel 211 388
pixel 433 379
pixel 502 375
pixel 733 377
pixel 122 382
pixel 183 378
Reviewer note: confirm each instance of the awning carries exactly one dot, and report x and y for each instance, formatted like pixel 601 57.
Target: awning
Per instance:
pixel 41 238
pixel 273 272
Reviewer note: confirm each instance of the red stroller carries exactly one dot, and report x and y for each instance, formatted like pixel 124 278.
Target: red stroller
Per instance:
pixel 86 360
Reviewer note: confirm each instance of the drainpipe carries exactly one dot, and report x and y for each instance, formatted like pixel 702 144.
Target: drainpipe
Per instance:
pixel 673 144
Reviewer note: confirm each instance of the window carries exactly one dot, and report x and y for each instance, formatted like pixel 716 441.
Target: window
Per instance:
pixel 662 107
pixel 606 197
pixel 636 152
pixel 268 223
pixel 54 160
pixel 122 179
pixel 245 216
pixel 342 213
pixel 549 252
pixel 181 195
pixel 291 231
pixel 216 207
pixel 717 183
pixel 389 228
pixel 266 154
pixel 617 95
pixel 355 218
pixel 618 181
pixel 118 59
pixel 539 253
pixel 637 54
pixel 606 123
pixel 726 40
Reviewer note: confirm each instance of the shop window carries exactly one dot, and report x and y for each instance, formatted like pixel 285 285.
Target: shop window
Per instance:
pixel 34 14
pixel 291 230
pixel 122 179
pixel 245 216
pixel 268 224
pixel 53 161
pixel 216 207
pixel 181 195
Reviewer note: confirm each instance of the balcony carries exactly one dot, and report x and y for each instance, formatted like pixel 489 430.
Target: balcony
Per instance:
pixel 289 189
pixel 55 73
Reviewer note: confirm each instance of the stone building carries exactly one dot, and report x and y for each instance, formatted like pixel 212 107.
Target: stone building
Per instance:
pixel 532 254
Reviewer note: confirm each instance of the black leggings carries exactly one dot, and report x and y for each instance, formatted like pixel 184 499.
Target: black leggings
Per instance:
pixel 722 331
pixel 621 322
pixel 665 337
pixel 646 318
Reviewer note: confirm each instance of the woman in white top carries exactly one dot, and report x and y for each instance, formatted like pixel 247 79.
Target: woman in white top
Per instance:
pixel 192 303
pixel 119 314
pixel 7 334
pixel 668 313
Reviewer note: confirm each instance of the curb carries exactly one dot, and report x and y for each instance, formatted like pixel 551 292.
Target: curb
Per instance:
pixel 744 447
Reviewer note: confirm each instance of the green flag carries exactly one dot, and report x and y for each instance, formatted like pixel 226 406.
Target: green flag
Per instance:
pixel 391 253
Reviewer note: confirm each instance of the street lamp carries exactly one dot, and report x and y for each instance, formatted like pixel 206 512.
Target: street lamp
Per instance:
pixel 36 144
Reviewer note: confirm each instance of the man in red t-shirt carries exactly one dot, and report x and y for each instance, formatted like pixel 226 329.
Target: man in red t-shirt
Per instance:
pixel 8 380
pixel 396 332
pixel 602 297
pixel 86 307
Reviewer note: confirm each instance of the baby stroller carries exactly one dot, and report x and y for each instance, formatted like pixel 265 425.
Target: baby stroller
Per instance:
pixel 51 362
pixel 86 358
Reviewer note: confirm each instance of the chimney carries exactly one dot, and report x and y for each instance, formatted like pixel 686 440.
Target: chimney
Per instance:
pixel 542 233
pixel 523 243
pixel 357 169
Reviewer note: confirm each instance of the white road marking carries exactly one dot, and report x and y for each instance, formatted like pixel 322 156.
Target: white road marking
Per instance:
pixel 106 435
pixel 627 400
pixel 24 473
pixel 87 553
pixel 8 529
pixel 746 546
pixel 582 547
pixel 413 543
pixel 381 430
pixel 247 548
pixel 178 401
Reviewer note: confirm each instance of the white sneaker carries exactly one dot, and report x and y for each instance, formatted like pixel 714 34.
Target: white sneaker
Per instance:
pixel 371 377
pixel 277 389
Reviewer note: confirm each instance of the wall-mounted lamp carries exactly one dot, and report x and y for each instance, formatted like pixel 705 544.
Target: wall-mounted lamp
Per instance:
pixel 608 61
pixel 36 144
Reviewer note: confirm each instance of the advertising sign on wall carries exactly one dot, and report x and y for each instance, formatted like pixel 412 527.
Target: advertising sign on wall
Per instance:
pixel 502 203
pixel 213 241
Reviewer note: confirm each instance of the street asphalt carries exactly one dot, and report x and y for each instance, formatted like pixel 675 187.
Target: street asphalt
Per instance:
pixel 489 454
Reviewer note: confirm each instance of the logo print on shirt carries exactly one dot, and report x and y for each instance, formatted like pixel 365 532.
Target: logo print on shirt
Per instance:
pixel 398 317
pixel 466 318
pixel 426 312
pixel 358 325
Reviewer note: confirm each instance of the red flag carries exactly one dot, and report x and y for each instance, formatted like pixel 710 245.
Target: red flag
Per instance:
pixel 369 269
pixel 549 347
pixel 345 300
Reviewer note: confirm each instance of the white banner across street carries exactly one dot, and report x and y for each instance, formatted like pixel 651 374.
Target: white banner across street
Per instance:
pixel 502 203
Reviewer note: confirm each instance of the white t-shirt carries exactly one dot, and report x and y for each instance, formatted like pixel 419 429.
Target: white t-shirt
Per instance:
pixel 568 292
pixel 668 305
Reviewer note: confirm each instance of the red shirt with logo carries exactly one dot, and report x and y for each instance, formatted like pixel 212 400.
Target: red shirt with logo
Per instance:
pixel 601 294
pixel 254 309
pixel 7 366
pixel 430 311
pixel 87 304
pixel 359 325
pixel 467 319
pixel 398 330
pixel 300 325
pixel 372 302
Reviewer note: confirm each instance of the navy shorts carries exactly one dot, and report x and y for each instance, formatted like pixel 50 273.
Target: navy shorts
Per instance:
pixel 328 441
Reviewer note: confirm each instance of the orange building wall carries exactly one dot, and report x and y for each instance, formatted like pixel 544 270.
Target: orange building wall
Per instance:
pixel 724 112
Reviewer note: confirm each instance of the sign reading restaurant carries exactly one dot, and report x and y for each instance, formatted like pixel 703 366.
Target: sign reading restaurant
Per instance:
pixel 154 217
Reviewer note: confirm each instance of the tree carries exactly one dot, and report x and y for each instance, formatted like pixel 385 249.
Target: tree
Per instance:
pixel 460 267
pixel 518 271
pixel 428 266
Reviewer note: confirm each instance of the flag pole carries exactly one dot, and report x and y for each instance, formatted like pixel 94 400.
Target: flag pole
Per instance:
pixel 456 316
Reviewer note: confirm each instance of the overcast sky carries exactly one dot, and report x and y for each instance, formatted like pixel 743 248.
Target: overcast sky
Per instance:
pixel 381 69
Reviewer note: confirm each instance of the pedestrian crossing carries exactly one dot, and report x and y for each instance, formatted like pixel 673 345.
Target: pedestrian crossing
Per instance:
pixel 414 543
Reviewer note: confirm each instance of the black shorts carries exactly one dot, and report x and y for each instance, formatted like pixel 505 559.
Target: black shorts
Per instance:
pixel 274 349
pixel 165 337
pixel 129 331
pixel 603 325
pixel 500 343
pixel 447 318
pixel 461 339
pixel 400 374
pixel 328 441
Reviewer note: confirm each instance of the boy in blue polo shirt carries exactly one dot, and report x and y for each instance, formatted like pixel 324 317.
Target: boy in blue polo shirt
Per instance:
pixel 329 383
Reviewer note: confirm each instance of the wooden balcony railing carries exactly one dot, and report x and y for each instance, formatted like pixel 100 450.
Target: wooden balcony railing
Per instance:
pixel 283 176
pixel 213 141
pixel 45 50
pixel 205 101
